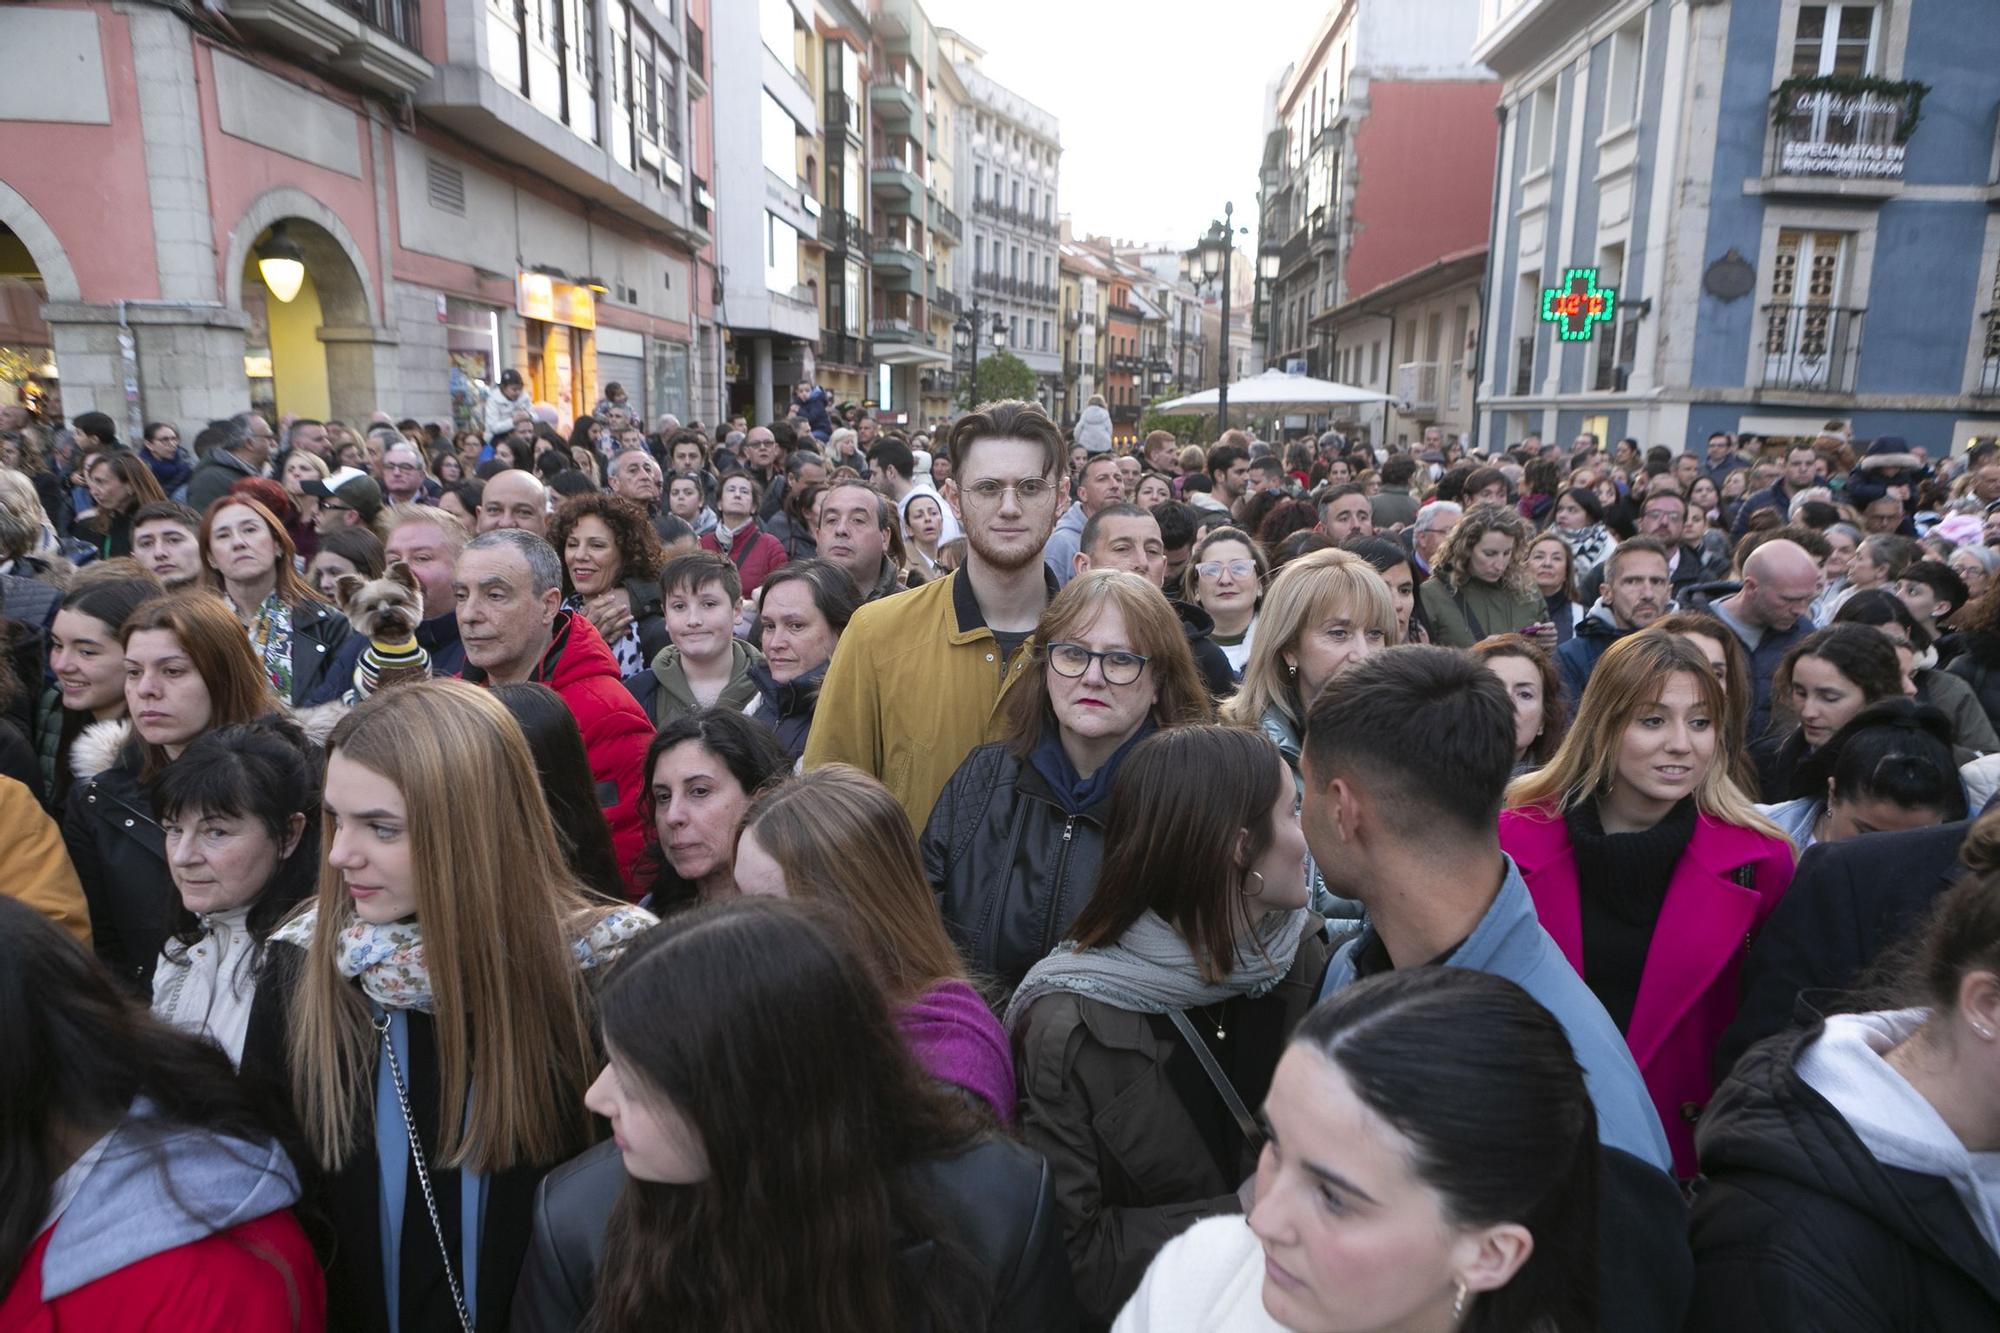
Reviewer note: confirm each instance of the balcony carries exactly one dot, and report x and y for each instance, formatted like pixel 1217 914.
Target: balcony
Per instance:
pixel 894 104
pixel 900 184
pixel 1072 320
pixel 899 267
pixel 842 349
pixel 945 302
pixel 898 330
pixel 1988 385
pixel 1839 141
pixel 372 41
pixel 1524 365
pixel 939 382
pixel 1417 387
pixel 1811 347
pixel 946 221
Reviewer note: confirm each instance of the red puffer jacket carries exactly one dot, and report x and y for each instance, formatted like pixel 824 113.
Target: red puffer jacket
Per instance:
pixel 755 553
pixel 616 731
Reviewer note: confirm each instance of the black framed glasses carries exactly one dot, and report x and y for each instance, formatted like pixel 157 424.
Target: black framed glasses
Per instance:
pixel 1073 659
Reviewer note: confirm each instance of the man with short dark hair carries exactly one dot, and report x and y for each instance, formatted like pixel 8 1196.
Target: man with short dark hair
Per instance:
pixel 1178 531
pixel 1636 589
pixel 1268 474
pixel 166 539
pixel 1801 465
pixel 1406 757
pixel 244 449
pixel 1720 457
pixel 305 433
pixel 1124 536
pixel 1097 485
pixel 853 532
pixel 959 643
pixel 1229 472
pixel 1345 513
pixel 508 587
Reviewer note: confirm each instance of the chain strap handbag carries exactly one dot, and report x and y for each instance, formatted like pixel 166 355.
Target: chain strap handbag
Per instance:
pixel 381 1024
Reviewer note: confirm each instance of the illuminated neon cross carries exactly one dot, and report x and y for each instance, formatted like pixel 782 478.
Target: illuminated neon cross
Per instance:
pixel 1579 305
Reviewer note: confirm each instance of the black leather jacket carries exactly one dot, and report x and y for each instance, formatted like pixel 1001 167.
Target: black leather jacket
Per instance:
pixel 121 859
pixel 994 1200
pixel 1010 868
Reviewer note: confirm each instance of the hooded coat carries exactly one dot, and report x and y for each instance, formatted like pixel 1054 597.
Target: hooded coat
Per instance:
pixel 786 709
pixel 1801 1226
pixel 170 1227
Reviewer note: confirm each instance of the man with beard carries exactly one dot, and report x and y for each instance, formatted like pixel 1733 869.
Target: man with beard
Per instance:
pixel 1636 589
pixel 918 679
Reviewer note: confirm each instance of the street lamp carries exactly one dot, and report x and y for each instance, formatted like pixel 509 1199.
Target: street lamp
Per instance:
pixel 965 340
pixel 1213 256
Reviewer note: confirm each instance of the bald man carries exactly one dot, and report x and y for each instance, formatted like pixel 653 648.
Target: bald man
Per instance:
pixel 1770 614
pixel 515 499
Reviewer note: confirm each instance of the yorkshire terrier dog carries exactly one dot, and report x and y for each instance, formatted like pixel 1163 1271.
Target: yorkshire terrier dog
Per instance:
pixel 387 610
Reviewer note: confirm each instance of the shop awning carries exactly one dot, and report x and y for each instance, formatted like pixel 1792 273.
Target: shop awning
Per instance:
pixel 909 354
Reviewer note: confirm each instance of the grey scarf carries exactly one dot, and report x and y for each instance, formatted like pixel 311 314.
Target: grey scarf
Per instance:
pixel 1151 969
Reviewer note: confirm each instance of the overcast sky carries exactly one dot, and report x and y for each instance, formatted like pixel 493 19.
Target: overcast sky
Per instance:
pixel 1161 102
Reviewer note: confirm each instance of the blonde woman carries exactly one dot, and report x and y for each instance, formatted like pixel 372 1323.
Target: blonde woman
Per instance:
pixel 838 836
pixel 1325 611
pixel 1649 866
pixel 1480 583
pixel 437 1028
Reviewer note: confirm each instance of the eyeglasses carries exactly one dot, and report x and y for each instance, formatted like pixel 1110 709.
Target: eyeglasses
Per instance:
pixel 1663 513
pixel 1073 659
pixel 1238 569
pixel 1028 490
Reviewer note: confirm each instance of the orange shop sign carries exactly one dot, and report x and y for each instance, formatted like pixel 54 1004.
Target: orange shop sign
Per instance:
pixel 553 301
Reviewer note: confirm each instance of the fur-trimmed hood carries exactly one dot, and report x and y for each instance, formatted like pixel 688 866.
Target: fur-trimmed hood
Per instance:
pixel 103 745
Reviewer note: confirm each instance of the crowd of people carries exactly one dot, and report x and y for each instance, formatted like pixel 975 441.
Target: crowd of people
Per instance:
pixel 815 876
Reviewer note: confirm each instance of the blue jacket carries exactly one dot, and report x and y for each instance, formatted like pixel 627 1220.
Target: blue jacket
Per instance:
pixel 1578 657
pixel 1509 942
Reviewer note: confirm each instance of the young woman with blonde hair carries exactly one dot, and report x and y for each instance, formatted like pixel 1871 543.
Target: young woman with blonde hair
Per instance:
pixel 1649 866
pixel 436 1029
pixel 838 836
pixel 1480 584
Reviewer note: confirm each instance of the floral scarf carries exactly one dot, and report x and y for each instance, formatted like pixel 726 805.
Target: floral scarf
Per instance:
pixel 271 638
pixel 388 960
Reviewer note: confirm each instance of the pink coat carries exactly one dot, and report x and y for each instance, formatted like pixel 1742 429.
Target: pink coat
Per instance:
pixel 1688 990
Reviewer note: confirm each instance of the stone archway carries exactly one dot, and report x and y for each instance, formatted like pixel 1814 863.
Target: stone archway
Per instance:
pixel 360 351
pixel 58 277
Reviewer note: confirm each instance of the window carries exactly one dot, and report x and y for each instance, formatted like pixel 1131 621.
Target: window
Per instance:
pixel 781 255
pixel 1045 335
pixel 978 254
pixel 1048 271
pixel 1014 330
pixel 1621 89
pixel 852 314
pixel 780 141
pixel 978 180
pixel 1541 127
pixel 774 25
pixel 1034 202
pixel 851 178
pixel 1835 39
pixel 1016 200
pixel 621 83
pixel 1013 261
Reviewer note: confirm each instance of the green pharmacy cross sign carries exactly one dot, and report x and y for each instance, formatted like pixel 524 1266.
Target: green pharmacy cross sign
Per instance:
pixel 1578 306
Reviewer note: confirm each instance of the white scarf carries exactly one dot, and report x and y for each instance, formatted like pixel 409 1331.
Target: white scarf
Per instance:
pixel 388 960
pixel 1151 969
pixel 204 987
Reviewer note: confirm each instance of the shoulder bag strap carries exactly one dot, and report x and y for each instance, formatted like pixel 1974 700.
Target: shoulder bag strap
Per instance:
pixel 1253 1134
pixel 381 1024
pixel 1471 621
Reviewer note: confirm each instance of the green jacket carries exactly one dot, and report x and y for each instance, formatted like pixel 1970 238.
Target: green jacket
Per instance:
pixel 1496 608
pixel 914 687
pixel 664 692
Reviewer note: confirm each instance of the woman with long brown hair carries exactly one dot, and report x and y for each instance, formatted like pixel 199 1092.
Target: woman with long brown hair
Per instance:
pixel 1012 844
pixel 119 483
pixel 1197 942
pixel 779 1161
pixel 1535 690
pixel 837 836
pixel 299 636
pixel 188 671
pixel 437 1020
pixel 1649 867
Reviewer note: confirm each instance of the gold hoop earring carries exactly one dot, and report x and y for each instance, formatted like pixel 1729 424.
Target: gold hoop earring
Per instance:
pixel 1249 892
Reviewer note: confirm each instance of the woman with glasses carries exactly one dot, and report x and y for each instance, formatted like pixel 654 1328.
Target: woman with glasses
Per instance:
pixel 1225 577
pixel 1012 844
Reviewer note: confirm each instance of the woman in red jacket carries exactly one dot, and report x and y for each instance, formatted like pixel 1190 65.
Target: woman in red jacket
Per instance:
pixel 138 1190
pixel 737 534
pixel 1649 866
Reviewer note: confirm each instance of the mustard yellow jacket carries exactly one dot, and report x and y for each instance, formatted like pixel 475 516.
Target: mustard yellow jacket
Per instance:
pixel 39 872
pixel 915 685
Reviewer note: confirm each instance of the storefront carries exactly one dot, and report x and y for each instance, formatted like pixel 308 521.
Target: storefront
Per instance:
pixel 560 322
pixel 621 360
pixel 472 350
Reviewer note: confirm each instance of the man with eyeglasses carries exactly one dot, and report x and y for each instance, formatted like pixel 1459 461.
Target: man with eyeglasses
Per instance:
pixel 919 679
pixel 403 479
pixel 1663 518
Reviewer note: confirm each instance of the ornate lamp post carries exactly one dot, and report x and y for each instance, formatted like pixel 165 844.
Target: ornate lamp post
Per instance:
pixel 1211 258
pixel 965 341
